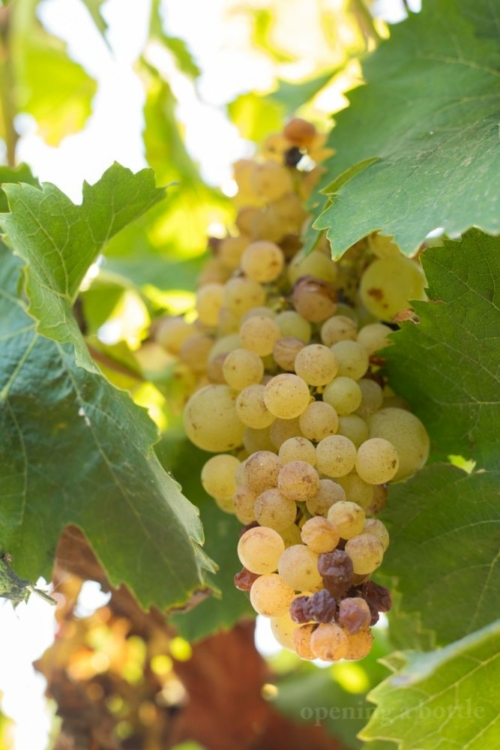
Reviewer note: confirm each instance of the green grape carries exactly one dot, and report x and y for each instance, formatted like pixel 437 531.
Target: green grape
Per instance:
pixel 352 359
pixel 357 490
pixel 251 408
pixel 286 396
pixel 262 261
pixel 366 553
pixel 260 549
pixel 319 420
pixel 195 350
pixel 211 421
pixel 259 334
pixel 353 427
pixel 315 264
pixel 338 328
pixel 335 456
pixel 327 495
pixel 372 397
pixel 298 567
pixel 285 351
pixel 230 250
pixel 389 284
pixel 316 364
pixel 270 596
pixel 348 518
pixel 218 476
pixel 320 535
pixel 273 509
pixel 374 336
pixel 291 324
pixel 344 394
pixel 241 294
pixel 209 300
pixel 376 528
pixel 377 461
pixel 297 449
pixel 298 480
pixel 408 436
pixel 283 429
pixel 242 368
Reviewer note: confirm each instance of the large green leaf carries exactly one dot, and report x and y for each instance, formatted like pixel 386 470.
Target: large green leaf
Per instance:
pixel 75 450
pixel 446 523
pixel 424 128
pixel 444 552
pixel 222 532
pixel 442 700
pixel 47 83
pixel 59 240
pixel 448 366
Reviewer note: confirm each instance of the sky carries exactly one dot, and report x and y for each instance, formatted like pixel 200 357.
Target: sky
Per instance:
pixel 113 132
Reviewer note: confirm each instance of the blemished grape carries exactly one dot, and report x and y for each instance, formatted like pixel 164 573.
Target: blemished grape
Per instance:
pixel 338 328
pixel 372 397
pixel 298 480
pixel 209 299
pixel 335 456
pixel 283 429
pixel 366 553
pixel 293 325
pixel 286 396
pixel 273 509
pixel 319 420
pixel 285 351
pixel 321 607
pixel 270 596
pixel 299 132
pixel 352 359
pixel 241 294
pixel 328 494
pixel 352 426
pixel 299 610
pixel 354 614
pixel 320 535
pixel 377 597
pixel 301 639
pixel 344 395
pixel 298 567
pixel 376 528
pixel 358 645
pixel 407 434
pixel 243 504
pixel 329 642
pixel 377 461
pixel 244 579
pixel 262 261
pixel 211 421
pixel 337 571
pixel 259 334
pixel 356 490
pixel 348 518
pixel 297 449
pixel 260 549
pixel 251 408
pixel 389 284
pixel 374 337
pixel 218 476
pixel 242 368
pixel 314 299
pixel 315 264
pixel 316 364
pixel 261 471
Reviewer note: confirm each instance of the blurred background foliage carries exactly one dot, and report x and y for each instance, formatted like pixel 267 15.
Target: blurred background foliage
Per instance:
pixel 260 61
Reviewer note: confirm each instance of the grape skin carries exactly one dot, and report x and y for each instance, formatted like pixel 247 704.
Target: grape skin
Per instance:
pixel 260 549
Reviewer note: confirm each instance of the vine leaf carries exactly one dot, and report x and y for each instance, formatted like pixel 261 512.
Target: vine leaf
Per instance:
pixel 75 450
pixel 446 698
pixel 448 366
pixel 59 240
pixel 445 523
pixel 425 127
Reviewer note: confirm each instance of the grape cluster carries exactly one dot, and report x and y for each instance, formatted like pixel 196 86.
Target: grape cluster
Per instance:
pixel 288 393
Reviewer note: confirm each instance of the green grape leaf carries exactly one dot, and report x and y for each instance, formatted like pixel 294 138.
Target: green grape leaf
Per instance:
pixel 444 699
pixel 49 85
pixel 75 450
pixel 94 7
pixel 445 537
pixel 448 365
pixel 425 128
pixel 59 240
pixel 223 610
pixel 21 173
